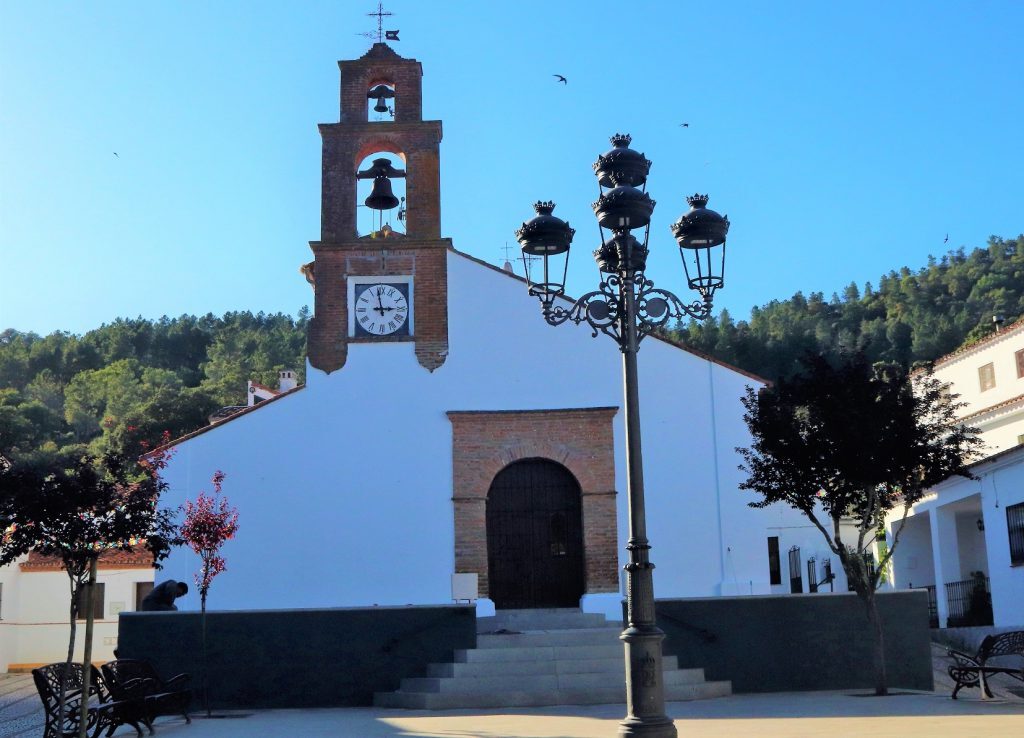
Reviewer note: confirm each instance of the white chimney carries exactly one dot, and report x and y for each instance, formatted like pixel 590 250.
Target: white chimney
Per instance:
pixel 286 380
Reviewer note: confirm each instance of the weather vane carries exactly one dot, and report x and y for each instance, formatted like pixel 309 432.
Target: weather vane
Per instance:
pixel 381 34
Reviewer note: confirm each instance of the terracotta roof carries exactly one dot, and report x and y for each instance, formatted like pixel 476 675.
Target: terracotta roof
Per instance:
pixel 1002 335
pixel 137 558
pixel 992 408
pixel 245 410
pixel 663 339
pixel 262 387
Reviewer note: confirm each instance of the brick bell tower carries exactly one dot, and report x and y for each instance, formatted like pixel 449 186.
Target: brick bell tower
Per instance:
pixel 382 285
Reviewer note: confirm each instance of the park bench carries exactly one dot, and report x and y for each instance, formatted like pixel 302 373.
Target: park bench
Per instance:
pixel 1001 653
pixel 131 677
pixel 104 712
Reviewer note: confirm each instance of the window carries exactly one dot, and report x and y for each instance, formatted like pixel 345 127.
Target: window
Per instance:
pixel 1015 528
pixel 796 581
pixel 141 590
pixel 1020 363
pixel 774 564
pixel 96 600
pixel 987 376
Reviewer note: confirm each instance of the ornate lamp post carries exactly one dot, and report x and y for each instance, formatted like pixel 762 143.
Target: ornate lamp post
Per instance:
pixel 627 307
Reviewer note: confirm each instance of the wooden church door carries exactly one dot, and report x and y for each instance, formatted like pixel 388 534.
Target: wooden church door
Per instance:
pixel 535 536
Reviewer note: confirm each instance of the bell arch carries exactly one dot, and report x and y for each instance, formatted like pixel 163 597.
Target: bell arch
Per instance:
pixel 380 190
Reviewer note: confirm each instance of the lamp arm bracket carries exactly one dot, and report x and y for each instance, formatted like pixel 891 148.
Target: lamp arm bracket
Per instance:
pixel 604 309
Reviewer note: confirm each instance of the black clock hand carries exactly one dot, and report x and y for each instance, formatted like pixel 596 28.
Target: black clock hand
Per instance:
pixel 380 305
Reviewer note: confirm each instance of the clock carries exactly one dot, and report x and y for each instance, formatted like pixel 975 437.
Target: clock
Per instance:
pixel 381 309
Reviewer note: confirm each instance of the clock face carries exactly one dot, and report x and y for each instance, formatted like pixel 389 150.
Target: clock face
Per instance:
pixel 382 309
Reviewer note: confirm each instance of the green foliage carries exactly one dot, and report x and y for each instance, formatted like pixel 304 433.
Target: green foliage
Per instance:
pixel 846 443
pixel 130 382
pixel 909 317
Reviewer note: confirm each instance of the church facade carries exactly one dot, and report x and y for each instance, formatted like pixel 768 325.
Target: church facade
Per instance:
pixel 448 443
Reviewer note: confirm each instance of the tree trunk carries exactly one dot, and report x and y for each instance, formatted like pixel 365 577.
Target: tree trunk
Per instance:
pixel 206 676
pixel 73 617
pixel 83 718
pixel 881 678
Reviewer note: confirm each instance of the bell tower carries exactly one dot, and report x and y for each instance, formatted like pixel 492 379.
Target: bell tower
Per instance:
pixel 379 271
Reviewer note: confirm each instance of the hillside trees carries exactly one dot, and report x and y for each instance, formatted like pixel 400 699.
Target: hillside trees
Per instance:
pixel 130 381
pixel 909 317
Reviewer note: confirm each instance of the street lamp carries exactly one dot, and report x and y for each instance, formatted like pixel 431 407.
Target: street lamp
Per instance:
pixel 627 306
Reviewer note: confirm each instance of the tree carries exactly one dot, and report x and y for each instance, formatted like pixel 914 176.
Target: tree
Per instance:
pixel 852 441
pixel 75 509
pixel 210 522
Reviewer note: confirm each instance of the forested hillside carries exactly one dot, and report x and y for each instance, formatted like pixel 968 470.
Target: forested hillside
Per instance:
pixel 909 316
pixel 126 383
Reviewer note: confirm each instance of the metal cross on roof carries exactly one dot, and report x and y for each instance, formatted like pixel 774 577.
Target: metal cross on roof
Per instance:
pixel 381 34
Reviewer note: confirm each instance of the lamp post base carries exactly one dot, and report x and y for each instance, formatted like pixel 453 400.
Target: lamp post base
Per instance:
pixel 647 728
pixel 645 694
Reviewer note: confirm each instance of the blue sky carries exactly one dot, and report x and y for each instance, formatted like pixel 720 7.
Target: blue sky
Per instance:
pixel 842 139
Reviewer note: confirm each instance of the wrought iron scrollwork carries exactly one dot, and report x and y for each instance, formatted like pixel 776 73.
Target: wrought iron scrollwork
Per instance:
pixel 604 309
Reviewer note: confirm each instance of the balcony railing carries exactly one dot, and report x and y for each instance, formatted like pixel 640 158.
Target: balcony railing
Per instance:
pixel 969 602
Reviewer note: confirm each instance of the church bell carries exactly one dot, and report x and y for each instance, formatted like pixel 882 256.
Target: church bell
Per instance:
pixel 382 93
pixel 381 196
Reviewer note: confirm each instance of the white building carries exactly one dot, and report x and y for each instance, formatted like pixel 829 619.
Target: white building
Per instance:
pixel 465 450
pixel 407 456
pixel 35 601
pixel 969 530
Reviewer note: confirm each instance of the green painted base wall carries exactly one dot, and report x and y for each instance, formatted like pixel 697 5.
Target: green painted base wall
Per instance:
pixel 298 658
pixel 793 643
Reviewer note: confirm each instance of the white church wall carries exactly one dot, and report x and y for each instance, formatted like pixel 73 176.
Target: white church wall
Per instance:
pixel 344 488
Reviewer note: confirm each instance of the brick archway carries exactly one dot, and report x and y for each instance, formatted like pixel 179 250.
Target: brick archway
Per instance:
pixel 485 442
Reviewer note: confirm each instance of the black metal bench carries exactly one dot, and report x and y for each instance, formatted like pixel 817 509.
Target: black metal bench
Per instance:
pixel 103 713
pixel 131 677
pixel 1001 653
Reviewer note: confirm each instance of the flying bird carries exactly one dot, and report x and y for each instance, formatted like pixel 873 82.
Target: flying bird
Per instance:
pixel 115 154
pixel 685 125
pixel 561 79
pixel 946 239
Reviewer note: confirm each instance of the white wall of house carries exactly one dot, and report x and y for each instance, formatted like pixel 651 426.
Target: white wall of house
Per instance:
pixel 1003 425
pixel 344 489
pixel 34 628
pixel 1002 486
pixel 912 562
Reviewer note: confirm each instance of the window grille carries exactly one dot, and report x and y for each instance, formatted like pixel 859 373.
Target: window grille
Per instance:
pixel 1015 529
pixel 796 583
pixel 812 574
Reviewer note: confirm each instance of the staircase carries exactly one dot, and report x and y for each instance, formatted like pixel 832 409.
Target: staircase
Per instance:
pixel 534 658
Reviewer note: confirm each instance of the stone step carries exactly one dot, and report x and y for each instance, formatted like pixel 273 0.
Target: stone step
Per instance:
pixel 535 639
pixel 527 620
pixel 541 653
pixel 567 666
pixel 546 682
pixel 541 697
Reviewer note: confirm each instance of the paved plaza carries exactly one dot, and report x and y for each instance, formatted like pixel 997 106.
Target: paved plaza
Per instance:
pixel 775 715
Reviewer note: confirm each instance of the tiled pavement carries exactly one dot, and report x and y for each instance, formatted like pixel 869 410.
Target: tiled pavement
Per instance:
pixel 765 715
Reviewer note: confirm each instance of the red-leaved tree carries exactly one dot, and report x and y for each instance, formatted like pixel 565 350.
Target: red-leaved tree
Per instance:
pixel 210 522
